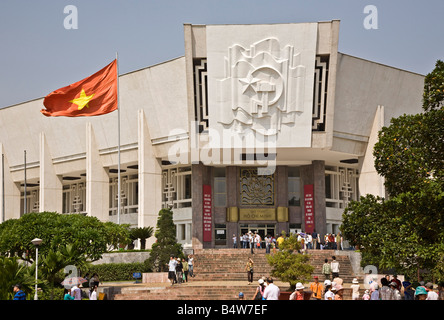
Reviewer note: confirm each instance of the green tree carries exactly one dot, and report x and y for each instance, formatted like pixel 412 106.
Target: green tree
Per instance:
pixel 142 234
pixel 11 273
pixel 166 244
pixel 90 236
pixel 288 264
pixel 406 231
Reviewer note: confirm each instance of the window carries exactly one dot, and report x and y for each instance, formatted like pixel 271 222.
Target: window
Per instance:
pixel 74 198
pixel 341 186
pixel 129 194
pixel 176 187
pixel 220 188
pixel 294 186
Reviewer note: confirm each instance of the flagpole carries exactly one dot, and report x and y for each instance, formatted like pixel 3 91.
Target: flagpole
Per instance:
pixel 25 204
pixel 118 144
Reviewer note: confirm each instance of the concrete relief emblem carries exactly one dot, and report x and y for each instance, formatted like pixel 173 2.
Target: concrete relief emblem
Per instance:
pixel 264 85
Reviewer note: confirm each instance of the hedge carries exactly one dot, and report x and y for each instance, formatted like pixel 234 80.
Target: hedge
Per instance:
pixel 117 271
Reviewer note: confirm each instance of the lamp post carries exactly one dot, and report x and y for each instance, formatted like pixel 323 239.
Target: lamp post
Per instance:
pixel 36 242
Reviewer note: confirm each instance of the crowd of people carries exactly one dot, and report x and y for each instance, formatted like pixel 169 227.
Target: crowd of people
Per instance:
pixel 333 287
pixel 253 240
pixel 180 269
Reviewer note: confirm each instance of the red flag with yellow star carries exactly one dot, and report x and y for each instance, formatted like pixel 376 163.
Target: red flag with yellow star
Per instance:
pixel 92 96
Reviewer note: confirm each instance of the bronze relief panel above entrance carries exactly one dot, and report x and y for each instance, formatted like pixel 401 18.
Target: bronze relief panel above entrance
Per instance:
pixel 255 189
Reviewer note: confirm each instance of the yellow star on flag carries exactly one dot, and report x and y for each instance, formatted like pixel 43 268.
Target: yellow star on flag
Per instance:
pixel 83 100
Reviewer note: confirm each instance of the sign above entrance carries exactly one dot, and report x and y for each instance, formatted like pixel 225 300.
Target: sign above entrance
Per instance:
pixel 257 214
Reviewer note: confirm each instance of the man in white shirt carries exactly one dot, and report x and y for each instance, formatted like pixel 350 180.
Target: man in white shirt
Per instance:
pixel 172 270
pixel 431 295
pixel 334 267
pixel 272 291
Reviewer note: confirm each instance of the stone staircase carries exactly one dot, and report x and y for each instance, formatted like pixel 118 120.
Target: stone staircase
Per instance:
pixel 229 264
pixel 220 275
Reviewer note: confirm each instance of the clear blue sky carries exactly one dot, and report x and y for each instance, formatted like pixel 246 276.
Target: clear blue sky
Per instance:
pixel 38 55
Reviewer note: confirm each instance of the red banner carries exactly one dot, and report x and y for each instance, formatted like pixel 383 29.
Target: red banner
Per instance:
pixel 309 208
pixel 207 213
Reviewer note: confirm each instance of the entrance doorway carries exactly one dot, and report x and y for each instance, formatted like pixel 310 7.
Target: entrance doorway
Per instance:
pixel 262 229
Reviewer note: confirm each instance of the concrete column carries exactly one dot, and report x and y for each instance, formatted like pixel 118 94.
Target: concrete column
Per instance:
pixel 10 194
pixel 315 174
pixel 369 179
pixel 319 196
pixel 201 175
pixel 281 194
pixel 232 185
pixel 97 179
pixel 150 179
pixel 51 186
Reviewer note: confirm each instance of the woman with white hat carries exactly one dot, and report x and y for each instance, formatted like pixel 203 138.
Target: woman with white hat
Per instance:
pixel 298 293
pixel 328 294
pixel 258 295
pixel 355 289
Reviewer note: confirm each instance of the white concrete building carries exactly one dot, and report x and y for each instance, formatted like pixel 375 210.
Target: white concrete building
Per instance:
pixel 244 97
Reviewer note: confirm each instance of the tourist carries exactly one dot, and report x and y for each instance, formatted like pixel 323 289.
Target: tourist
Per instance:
pixel 191 265
pixel 172 270
pixel 409 292
pixel 76 292
pixel 93 293
pixel 420 293
pixel 279 241
pixel 315 236
pixel 441 290
pixel 431 295
pixel 326 270
pixel 258 240
pixel 397 281
pixel 179 271
pixel 249 268
pixel 334 267
pixel 396 295
pixel 298 293
pixel 316 289
pixel 355 289
pixel 252 239
pixel 385 293
pixel 339 241
pixel 267 243
pixel 309 241
pixel 328 294
pixel 67 294
pixel 339 295
pixel 375 291
pixel 19 294
pixel 271 292
pixel 234 241
pixel 186 269
pixel 241 296
pixel 259 294
pixel 366 295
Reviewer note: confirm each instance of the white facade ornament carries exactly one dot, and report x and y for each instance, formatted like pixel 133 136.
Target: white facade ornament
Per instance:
pixel 260 82
pixel 265 85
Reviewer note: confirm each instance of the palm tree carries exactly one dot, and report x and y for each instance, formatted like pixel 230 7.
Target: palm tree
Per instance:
pixel 142 234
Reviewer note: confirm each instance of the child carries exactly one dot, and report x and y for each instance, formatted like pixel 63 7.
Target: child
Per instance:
pixel 298 293
pixel 366 295
pixel 355 289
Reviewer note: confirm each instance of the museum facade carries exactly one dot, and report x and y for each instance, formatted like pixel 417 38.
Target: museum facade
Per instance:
pixel 256 128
